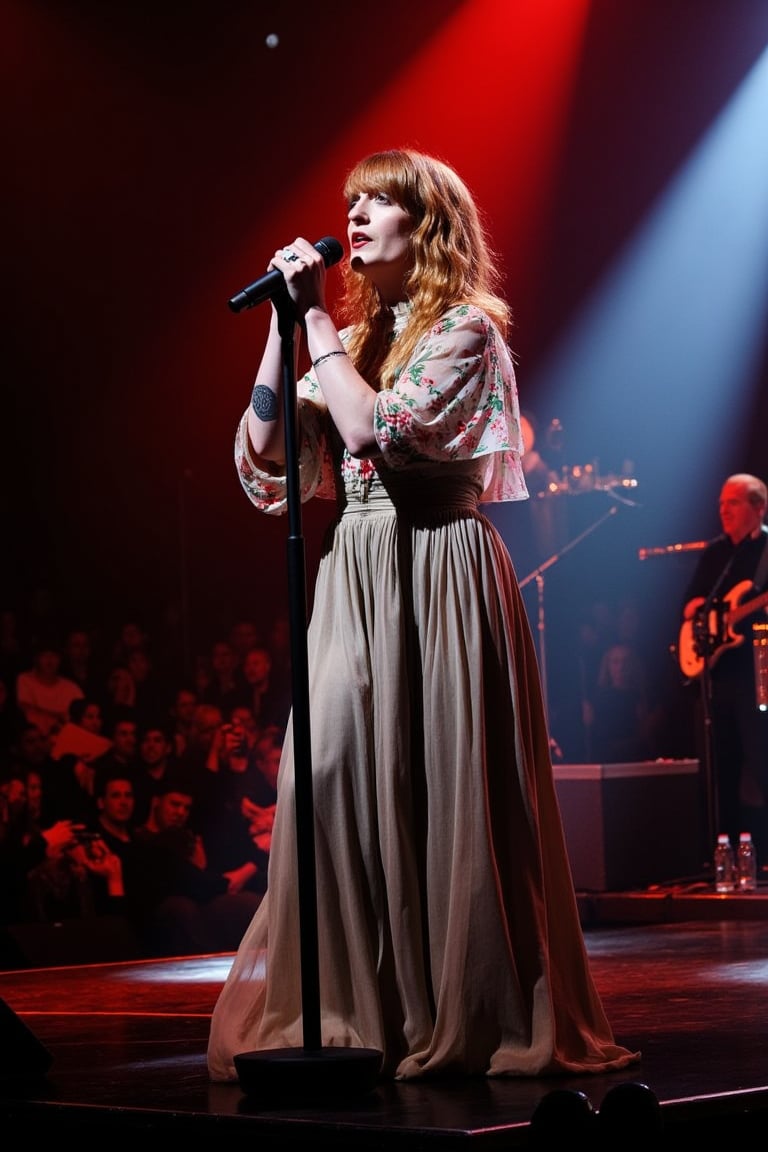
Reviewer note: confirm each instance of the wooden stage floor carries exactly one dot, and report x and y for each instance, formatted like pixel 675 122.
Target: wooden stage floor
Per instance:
pixel 127 1047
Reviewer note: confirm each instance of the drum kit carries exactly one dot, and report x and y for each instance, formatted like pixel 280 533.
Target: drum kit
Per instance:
pixel 571 480
pixel 579 478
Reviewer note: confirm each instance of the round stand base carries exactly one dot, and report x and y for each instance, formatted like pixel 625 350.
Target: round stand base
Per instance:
pixel 301 1074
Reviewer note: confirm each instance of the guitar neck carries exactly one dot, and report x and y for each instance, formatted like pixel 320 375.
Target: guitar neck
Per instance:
pixel 747 609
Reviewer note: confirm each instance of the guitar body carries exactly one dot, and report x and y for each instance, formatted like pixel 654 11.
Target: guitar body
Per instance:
pixel 705 636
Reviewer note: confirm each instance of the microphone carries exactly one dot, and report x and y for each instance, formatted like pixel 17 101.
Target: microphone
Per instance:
pixel 669 549
pixel 266 286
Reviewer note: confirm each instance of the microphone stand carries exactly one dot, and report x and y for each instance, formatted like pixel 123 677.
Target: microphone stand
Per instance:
pixel 312 1071
pixel 710 773
pixel 708 641
pixel 538 576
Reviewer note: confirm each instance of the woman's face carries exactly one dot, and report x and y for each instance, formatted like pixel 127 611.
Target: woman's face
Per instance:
pixel 379 233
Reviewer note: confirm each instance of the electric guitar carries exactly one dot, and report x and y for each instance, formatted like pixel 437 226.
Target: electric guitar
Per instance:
pixel 705 636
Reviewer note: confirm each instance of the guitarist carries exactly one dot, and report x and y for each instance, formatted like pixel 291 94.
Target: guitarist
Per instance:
pixel 737 559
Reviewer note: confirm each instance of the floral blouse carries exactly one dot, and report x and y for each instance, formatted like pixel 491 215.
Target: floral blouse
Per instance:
pixel 456 399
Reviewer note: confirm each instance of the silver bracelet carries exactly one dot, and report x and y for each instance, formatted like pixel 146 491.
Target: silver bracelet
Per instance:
pixel 327 356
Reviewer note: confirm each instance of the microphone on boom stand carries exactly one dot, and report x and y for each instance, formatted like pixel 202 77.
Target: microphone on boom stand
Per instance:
pixel 670 549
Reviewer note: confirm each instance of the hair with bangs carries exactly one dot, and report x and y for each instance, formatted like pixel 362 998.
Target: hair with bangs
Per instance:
pixel 452 260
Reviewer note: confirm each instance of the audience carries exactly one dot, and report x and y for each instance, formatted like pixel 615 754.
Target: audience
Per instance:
pixel 128 787
pixel 13 658
pixel 122 733
pixel 155 759
pixel 226 687
pixel 79 662
pixel 37 878
pixel 32 752
pixel 617 716
pixel 130 636
pixel 244 635
pixel 182 905
pixel 42 693
pixel 238 796
pixel 280 676
pixel 115 808
pixel 12 720
pixel 257 674
pixel 184 701
pixel 76 748
pixel 150 692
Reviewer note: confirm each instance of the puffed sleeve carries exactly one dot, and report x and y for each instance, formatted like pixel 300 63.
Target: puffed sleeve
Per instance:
pixel 457 399
pixel 267 487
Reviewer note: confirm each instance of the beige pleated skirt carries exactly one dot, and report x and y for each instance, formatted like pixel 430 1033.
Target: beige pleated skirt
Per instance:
pixel 448 929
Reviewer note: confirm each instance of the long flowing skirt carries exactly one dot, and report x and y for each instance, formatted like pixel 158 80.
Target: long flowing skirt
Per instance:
pixel 448 929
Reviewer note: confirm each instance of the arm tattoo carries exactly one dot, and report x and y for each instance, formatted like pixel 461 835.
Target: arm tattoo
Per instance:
pixel 264 403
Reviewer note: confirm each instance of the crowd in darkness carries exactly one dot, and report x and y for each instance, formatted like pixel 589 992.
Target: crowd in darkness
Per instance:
pixel 137 783
pixel 134 787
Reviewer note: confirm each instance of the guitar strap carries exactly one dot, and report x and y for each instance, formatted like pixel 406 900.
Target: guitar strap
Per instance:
pixel 762 569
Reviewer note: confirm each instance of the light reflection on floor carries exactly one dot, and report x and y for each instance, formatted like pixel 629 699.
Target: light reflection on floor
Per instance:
pixel 184 970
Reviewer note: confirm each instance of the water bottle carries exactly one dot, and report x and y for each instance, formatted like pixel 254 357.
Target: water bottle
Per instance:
pixel 725 868
pixel 746 863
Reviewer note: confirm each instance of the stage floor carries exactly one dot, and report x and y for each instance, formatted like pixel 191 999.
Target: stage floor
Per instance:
pixel 127 1045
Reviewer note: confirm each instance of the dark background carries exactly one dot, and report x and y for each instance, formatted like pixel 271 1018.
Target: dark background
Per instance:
pixel 155 154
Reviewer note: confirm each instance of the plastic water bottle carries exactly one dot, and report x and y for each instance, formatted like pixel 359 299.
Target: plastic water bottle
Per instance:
pixel 725 865
pixel 746 863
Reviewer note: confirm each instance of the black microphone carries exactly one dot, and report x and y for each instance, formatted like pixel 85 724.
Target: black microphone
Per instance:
pixel 266 286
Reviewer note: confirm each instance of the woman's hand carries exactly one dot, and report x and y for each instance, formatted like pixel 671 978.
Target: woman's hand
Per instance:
pixel 303 269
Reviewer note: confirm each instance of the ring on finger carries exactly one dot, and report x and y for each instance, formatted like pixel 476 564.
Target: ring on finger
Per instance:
pixel 289 255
